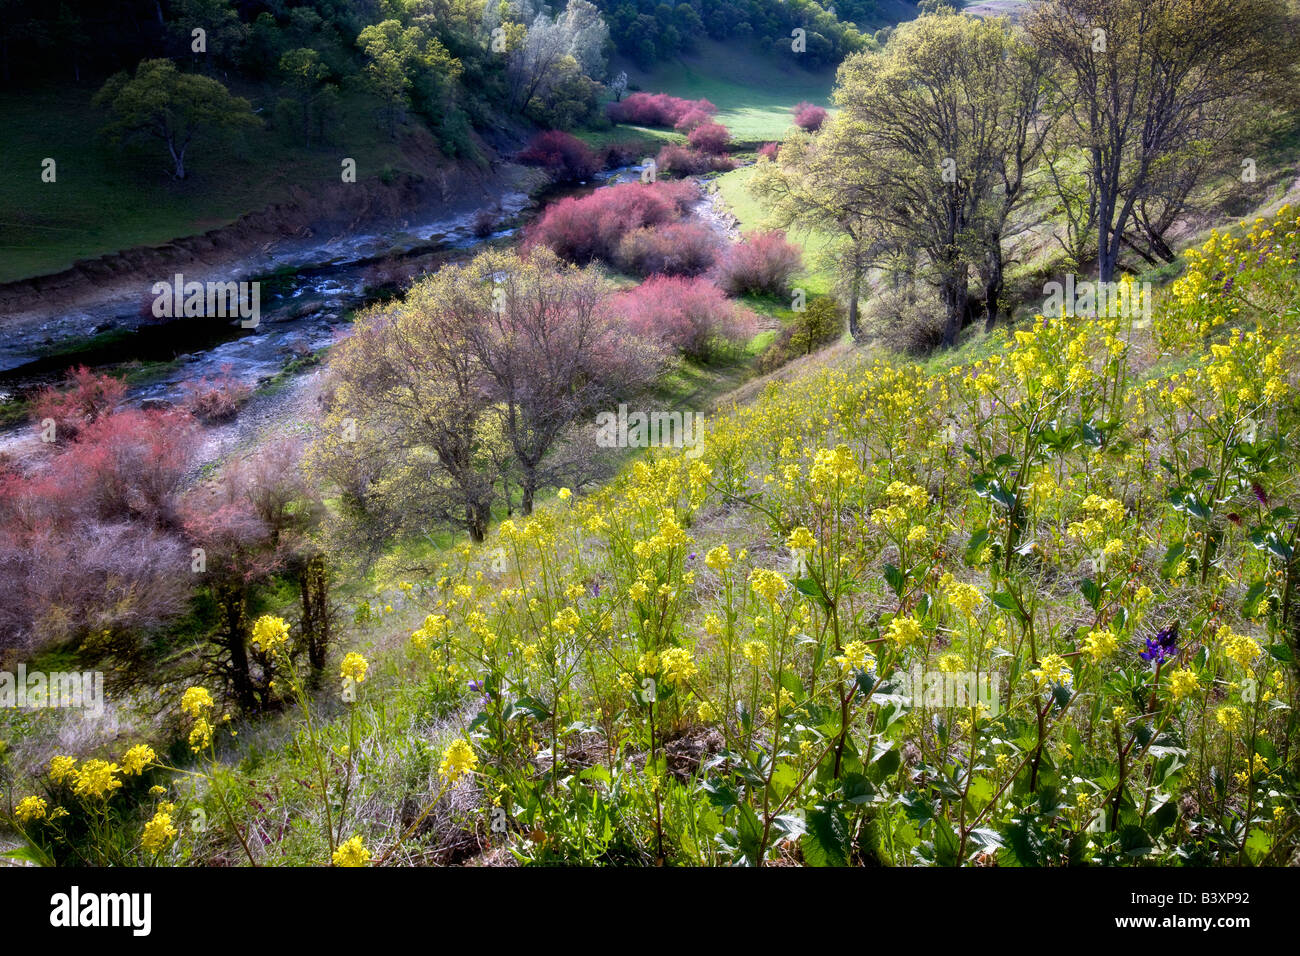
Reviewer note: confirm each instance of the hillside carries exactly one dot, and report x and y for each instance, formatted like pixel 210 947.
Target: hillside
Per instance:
pixel 753 92
pixel 667 451
pixel 1118 616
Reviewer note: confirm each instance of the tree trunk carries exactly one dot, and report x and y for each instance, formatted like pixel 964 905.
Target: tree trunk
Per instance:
pixel 528 489
pixel 992 290
pixel 314 587
pixel 178 157
pixel 1106 251
pixel 854 287
pixel 954 300
pixel 233 603
pixel 478 517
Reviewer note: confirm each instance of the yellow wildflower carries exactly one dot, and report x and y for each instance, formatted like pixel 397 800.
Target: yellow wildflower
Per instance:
pixel 354 668
pixel 458 760
pixel 351 853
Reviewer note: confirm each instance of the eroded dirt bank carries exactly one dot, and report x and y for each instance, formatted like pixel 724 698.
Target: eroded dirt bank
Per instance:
pixel 342 223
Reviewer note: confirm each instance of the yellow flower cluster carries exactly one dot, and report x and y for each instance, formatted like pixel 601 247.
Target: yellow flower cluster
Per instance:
pixel 856 656
pixel 1100 645
pixel 458 760
pixel 354 668
pixel 1238 648
pixel 97 779
pixel 1052 670
pixel 351 852
pixel 196 703
pixel 159 831
pixel 677 665
pixel 904 631
pixel 767 584
pixel 30 809
pixel 270 633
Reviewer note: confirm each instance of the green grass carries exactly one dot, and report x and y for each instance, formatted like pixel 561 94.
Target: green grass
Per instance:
pixel 643 137
pixel 733 187
pixel 753 92
pixel 108 198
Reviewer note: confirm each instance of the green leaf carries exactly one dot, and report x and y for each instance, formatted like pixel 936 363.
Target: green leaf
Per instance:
pixel 27 854
pixel 858 789
pixel 1008 603
pixel 810 587
pixel 1173 555
pixel 976 545
pixel 897 582
pixel 826 841
pixel 985 838
pixel 1257 844
pixel 1250 605
pixel 945 843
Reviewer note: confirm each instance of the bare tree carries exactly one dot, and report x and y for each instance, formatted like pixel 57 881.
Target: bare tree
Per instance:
pixel 551 351
pixel 1142 83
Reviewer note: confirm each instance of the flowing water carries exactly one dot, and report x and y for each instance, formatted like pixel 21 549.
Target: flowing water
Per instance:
pixel 305 293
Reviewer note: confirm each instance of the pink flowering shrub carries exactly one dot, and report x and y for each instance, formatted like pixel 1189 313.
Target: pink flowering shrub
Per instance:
pixel 808 116
pixel 582 228
pixel 656 109
pixel 676 248
pixel 690 315
pixel 561 154
pixel 763 263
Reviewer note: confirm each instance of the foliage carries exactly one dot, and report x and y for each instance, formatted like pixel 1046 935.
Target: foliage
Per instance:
pixel 591 227
pixel 174 107
pixel 808 116
pixel 1036 609
pixel 674 249
pixel 711 138
pixel 657 109
pixel 473 376
pixel 821 322
pixel 763 263
pixel 691 316
pixel 684 161
pixel 563 155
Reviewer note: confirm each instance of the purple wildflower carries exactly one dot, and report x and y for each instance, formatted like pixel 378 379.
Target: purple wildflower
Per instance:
pixel 1260 495
pixel 1163 646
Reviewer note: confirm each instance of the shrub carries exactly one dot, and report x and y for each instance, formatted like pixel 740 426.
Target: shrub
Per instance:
pixel 677 248
pixel 217 399
pixel 691 119
pixel 907 318
pixel 129 465
pixel 689 315
pixel 656 109
pixel 484 223
pixel 808 116
pixel 561 154
pixel 85 397
pixel 621 154
pixel 768 151
pixel 820 323
pixel 763 263
pixel 584 228
pixel 114 581
pixel 710 138
pixel 682 161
